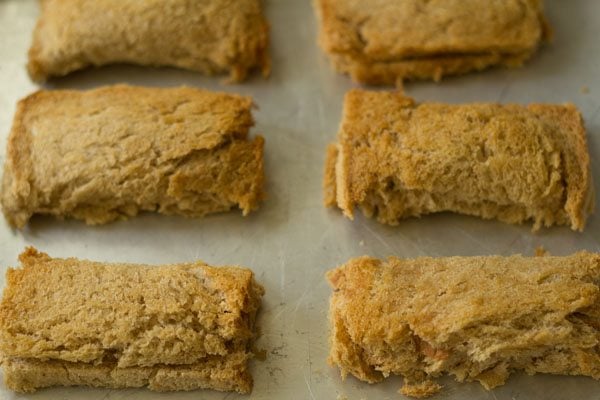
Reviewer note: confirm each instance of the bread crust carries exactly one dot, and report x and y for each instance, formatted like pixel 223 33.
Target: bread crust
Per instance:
pixel 112 152
pixel 211 37
pixel 172 327
pixel 397 159
pixel 386 41
pixel 223 374
pixel 476 318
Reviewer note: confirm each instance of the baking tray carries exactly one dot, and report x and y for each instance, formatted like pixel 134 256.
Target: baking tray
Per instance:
pixel 293 239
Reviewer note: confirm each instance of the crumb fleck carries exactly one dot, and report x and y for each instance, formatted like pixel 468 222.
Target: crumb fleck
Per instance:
pixel 260 354
pixel 277 351
pixel 540 251
pixel 274 371
pixel 585 89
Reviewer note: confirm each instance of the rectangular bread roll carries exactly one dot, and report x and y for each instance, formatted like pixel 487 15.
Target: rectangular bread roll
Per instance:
pixel 109 153
pixel 385 41
pixel 396 159
pixel 172 327
pixel 476 318
pixel 209 36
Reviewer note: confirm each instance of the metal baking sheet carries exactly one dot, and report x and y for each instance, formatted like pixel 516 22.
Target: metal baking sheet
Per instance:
pixel 293 239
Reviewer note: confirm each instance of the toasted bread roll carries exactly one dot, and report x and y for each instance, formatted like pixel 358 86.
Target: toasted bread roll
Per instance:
pixel 109 153
pixel 396 159
pixel 386 41
pixel 476 318
pixel 209 36
pixel 172 327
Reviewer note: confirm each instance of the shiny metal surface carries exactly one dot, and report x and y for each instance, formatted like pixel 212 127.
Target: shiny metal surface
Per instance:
pixel 293 239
